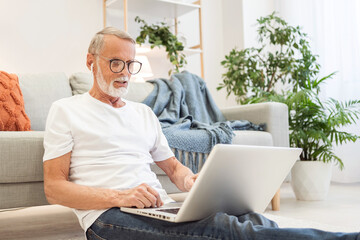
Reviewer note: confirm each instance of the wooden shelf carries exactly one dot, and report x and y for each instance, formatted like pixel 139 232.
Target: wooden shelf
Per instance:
pixel 161 8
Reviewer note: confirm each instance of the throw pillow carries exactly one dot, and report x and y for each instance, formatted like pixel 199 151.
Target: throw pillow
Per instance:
pixel 12 111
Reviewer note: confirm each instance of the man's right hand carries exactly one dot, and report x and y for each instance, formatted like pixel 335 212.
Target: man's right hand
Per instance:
pixel 142 196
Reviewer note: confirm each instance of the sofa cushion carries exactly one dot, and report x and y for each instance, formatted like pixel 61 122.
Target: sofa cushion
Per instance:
pixel 139 91
pixel 40 91
pixel 27 194
pixel 249 137
pixel 12 111
pixel 81 82
pixel 21 156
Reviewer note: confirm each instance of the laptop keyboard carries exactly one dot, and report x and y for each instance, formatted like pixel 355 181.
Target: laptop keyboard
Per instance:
pixel 169 210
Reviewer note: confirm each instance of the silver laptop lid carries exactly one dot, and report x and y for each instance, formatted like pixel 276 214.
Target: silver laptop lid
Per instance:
pixel 237 179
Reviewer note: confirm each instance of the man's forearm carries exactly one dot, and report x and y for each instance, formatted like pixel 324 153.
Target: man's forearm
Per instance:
pixel 59 190
pixel 179 176
pixel 81 197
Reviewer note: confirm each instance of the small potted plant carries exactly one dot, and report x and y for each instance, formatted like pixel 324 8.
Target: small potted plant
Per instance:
pixel 315 127
pixel 285 58
pixel 158 35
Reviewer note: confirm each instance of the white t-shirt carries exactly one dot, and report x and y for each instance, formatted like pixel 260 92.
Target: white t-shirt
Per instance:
pixel 111 147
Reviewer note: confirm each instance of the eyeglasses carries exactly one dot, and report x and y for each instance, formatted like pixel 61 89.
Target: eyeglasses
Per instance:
pixel 117 65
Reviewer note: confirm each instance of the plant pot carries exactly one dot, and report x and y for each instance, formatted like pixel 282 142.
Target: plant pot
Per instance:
pixel 310 180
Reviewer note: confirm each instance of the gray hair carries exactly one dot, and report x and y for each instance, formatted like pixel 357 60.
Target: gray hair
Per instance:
pixel 97 42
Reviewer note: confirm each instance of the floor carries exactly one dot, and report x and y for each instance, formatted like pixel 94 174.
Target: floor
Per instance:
pixel 340 212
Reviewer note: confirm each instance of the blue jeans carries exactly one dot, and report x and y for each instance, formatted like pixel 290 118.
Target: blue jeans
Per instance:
pixel 114 224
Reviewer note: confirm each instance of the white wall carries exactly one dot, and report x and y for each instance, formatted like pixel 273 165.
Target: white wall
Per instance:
pixel 47 35
pixel 254 9
pixel 213 40
pixel 233 25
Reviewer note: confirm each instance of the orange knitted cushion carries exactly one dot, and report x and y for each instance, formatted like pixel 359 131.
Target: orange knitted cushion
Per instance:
pixel 12 111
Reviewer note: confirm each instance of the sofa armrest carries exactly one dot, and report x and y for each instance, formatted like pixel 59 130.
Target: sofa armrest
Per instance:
pixel 21 156
pixel 274 115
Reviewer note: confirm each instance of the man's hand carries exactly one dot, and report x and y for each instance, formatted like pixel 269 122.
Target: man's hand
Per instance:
pixel 180 175
pixel 189 181
pixel 141 196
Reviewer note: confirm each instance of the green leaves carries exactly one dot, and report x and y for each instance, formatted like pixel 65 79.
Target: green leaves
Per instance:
pixel 315 125
pixel 160 35
pixel 285 57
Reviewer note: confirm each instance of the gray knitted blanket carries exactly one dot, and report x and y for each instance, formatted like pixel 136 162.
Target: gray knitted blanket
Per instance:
pixel 189 117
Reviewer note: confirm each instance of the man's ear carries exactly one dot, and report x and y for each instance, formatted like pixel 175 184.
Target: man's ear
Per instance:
pixel 89 61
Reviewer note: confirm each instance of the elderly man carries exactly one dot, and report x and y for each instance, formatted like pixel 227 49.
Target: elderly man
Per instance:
pixel 98 151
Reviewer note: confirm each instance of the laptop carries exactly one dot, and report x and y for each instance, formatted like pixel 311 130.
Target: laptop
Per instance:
pixel 235 179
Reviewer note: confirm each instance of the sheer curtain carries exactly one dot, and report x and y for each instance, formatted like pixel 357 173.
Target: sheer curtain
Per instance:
pixel 334 30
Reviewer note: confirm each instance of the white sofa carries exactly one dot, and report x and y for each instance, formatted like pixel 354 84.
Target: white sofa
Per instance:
pixel 21 172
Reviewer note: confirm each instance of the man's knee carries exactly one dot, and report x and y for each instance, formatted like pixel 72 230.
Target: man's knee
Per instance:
pixel 257 219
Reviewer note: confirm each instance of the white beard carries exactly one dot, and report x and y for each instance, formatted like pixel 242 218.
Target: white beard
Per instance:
pixel 110 89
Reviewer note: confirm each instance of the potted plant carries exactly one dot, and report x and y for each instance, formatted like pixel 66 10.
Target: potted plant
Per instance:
pixel 315 126
pixel 285 58
pixel 160 35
